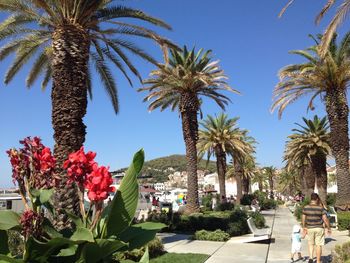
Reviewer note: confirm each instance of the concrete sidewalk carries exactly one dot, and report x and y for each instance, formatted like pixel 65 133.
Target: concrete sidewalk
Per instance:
pixel 279 251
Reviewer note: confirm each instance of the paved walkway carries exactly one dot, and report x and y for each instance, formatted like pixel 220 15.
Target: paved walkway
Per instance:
pixel 278 251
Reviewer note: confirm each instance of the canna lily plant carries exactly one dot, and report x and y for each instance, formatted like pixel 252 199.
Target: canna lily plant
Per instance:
pixel 100 231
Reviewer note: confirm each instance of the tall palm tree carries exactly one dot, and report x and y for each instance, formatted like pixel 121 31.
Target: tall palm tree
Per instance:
pixel 336 21
pixel 259 177
pixel 219 137
pixel 288 182
pixel 240 164
pixel 310 143
pixel 179 85
pixel 271 173
pixel 328 78
pixel 248 171
pixel 62 37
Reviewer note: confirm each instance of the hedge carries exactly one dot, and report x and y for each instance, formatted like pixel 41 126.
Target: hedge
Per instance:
pixel 343 220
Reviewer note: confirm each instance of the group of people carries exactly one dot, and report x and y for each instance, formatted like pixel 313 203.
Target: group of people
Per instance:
pixel 314 224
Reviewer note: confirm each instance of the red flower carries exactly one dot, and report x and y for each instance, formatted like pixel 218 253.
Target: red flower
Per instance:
pixel 45 161
pixel 31 223
pixel 79 165
pixel 98 184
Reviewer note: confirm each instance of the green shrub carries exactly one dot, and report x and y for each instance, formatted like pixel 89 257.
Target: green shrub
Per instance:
pixel 261 196
pixel 238 228
pixel 259 219
pixel 217 235
pixel 226 206
pixel 155 249
pixel 331 198
pixel 268 204
pixel 341 254
pixel 343 220
pixel 247 199
pixel 159 217
pixel 207 201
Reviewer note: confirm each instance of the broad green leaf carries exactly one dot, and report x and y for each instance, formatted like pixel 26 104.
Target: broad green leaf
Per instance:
pixel 45 195
pixel 145 257
pixel 75 219
pixel 8 220
pixel 37 251
pixel 50 230
pixel 124 204
pixel 140 234
pixel 102 249
pixel 67 252
pixel 82 234
pixel 4 247
pixel 6 259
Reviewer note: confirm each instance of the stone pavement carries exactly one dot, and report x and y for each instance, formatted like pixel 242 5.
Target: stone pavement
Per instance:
pixel 278 251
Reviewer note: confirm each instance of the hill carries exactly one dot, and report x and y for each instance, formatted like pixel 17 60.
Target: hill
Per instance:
pixel 157 170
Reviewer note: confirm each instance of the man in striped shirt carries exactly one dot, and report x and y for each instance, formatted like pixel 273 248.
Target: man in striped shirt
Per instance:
pixel 314 216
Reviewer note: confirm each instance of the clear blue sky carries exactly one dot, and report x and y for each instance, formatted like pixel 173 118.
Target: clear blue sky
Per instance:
pixel 251 43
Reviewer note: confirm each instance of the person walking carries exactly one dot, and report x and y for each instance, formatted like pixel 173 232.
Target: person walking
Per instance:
pixel 313 218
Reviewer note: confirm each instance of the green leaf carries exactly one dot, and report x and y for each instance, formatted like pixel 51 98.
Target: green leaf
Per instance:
pixel 67 252
pixel 82 234
pixel 4 246
pixel 124 204
pixel 102 249
pixel 76 219
pixel 140 234
pixel 45 195
pixel 145 257
pixel 8 220
pixel 6 259
pixel 41 251
pixel 49 229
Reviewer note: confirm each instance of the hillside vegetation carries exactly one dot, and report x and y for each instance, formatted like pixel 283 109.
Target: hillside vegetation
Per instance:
pixel 157 170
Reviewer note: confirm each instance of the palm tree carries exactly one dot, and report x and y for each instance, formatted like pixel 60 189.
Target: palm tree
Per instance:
pixel 270 173
pixel 62 37
pixel 259 177
pixel 310 143
pixel 288 182
pixel 248 171
pixel 178 84
pixel 240 165
pixel 336 21
pixel 328 78
pixel 220 137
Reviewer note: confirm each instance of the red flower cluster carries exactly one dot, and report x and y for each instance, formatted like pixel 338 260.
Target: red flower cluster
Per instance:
pixel 31 223
pixel 79 165
pixel 44 160
pixel 82 169
pixel 19 167
pixel 34 162
pixel 98 184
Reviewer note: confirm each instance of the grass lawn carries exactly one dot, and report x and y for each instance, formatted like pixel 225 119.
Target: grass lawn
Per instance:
pixel 180 258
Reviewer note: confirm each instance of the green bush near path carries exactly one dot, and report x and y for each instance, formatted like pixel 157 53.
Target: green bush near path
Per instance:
pixel 217 235
pixel 180 258
pixel 343 220
pixel 341 254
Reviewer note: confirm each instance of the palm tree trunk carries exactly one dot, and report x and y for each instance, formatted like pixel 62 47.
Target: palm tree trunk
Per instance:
pixel 238 176
pixel 245 185
pixel 221 168
pixel 310 180
pixel 302 179
pixel 319 166
pixel 261 186
pixel 189 106
pixel 69 101
pixel 271 187
pixel 338 112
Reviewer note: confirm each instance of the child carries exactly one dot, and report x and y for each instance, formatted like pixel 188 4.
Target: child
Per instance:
pixel 296 242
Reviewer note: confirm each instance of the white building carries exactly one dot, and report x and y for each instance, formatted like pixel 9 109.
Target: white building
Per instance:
pixel 160 187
